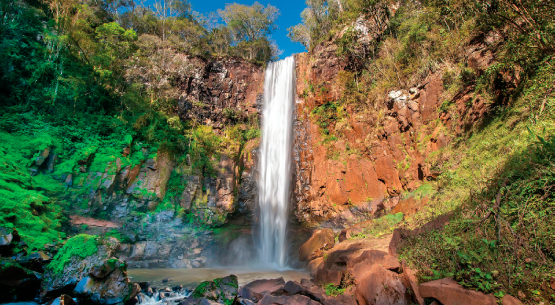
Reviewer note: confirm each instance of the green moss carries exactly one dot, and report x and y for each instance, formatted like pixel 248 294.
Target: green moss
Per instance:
pixel 81 246
pixel 26 204
pixel 116 234
pixel 201 289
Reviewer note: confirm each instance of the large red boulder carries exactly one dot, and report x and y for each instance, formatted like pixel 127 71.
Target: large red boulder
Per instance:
pixel 381 286
pixel 449 292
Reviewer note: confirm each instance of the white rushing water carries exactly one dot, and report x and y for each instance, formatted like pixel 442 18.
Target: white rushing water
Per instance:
pixel 275 161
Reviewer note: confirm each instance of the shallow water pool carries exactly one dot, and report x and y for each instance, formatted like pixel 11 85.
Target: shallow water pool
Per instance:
pixel 189 278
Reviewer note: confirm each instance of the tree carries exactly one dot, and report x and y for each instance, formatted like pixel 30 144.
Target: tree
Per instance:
pixel 318 18
pixel 249 23
pixel 249 27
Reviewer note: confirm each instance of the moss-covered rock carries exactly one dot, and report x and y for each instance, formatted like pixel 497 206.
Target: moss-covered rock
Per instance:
pixel 107 284
pixel 221 290
pixel 74 261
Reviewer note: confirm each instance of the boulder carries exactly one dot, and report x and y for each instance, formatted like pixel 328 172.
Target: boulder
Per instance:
pixel 107 284
pixel 381 286
pixel 64 299
pixel 221 290
pixel 84 267
pixel 510 300
pixel 35 261
pixel 16 282
pixel 314 265
pixel 287 300
pixel 410 282
pixel 350 232
pixel 354 257
pixel 63 273
pixel 255 290
pixel 320 240
pixel 327 276
pixel 449 292
pixel 7 239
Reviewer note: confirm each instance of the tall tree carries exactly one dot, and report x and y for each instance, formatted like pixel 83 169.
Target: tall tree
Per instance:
pixel 249 23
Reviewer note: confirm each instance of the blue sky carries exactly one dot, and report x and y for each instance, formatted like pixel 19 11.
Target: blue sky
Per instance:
pixel 290 15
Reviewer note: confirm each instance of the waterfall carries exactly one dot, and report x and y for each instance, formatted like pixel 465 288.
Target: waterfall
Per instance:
pixel 275 160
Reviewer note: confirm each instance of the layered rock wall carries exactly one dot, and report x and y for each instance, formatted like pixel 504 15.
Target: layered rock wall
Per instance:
pixel 377 154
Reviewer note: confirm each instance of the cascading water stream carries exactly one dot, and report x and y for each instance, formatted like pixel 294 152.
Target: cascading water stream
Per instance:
pixel 275 161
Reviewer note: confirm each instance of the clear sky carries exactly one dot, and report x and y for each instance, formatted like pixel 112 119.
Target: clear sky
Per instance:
pixel 290 15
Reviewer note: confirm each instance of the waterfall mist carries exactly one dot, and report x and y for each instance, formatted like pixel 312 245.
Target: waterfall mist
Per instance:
pixel 275 161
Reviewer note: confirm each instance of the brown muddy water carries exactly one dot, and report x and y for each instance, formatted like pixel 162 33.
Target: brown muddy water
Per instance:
pixel 190 278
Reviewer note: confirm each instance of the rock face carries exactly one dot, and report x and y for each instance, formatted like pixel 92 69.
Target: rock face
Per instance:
pixel 319 241
pixel 378 154
pixel 220 92
pixel 219 86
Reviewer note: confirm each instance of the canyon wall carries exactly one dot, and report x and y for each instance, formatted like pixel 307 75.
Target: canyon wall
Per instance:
pixel 379 154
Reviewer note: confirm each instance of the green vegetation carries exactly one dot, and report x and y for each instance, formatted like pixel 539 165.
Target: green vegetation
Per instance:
pixel 333 290
pixel 97 84
pixel 26 204
pixel 116 234
pixel 380 226
pixel 326 116
pixel 500 238
pixel 81 246
pixel 201 289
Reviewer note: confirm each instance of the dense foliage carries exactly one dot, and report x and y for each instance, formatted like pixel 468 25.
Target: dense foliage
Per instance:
pixel 90 79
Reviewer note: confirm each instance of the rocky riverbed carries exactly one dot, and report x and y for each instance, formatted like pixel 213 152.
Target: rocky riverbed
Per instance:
pixel 343 269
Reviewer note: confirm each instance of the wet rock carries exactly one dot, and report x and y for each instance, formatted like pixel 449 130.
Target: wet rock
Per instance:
pixel 17 283
pixel 256 290
pixel 8 240
pixel 62 300
pixel 35 261
pixel 449 292
pixel 381 286
pixel 97 278
pixel 320 241
pixel 287 300
pixel 222 290
pixel 107 284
